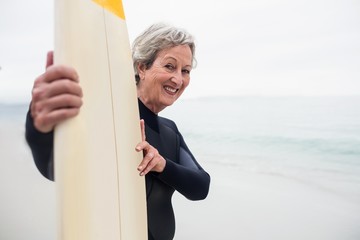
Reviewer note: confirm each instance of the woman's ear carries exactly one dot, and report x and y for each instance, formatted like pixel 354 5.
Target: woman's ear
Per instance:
pixel 141 68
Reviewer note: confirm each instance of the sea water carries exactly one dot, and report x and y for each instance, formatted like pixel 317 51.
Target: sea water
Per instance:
pixel 315 140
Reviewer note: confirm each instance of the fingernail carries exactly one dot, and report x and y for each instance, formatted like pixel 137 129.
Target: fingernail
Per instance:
pixel 142 174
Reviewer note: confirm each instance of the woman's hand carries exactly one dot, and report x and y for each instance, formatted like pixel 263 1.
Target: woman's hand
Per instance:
pixel 152 160
pixel 56 96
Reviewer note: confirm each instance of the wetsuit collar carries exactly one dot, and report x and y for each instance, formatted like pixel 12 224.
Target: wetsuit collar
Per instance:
pixel 150 118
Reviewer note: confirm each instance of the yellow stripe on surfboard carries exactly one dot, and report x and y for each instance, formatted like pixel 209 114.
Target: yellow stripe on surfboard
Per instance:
pixel 114 6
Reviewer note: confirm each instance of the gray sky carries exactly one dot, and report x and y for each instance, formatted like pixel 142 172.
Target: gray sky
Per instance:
pixel 251 47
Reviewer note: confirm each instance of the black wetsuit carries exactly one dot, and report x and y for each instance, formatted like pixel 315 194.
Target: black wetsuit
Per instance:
pixel 182 173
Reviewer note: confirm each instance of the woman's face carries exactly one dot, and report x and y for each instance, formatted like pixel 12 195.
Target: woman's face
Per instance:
pixel 162 84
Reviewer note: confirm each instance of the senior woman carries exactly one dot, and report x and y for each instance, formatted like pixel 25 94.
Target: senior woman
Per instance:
pixel 163 58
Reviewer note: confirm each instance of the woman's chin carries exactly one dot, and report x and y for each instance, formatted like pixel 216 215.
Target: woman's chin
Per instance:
pixel 169 99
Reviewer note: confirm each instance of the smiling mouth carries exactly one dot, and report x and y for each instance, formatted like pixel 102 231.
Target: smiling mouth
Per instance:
pixel 170 90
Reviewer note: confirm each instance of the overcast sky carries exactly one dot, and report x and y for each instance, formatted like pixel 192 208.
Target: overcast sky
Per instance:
pixel 252 47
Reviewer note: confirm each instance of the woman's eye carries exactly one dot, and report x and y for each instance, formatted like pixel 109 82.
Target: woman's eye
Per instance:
pixel 169 66
pixel 186 71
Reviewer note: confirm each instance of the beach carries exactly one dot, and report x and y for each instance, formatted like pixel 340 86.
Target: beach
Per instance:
pixel 254 195
pixel 254 207
pixel 27 199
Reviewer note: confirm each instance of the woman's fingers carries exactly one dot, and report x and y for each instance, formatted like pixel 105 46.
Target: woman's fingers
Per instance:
pixel 46 122
pixel 56 96
pixel 49 112
pixel 145 166
pixel 56 72
pixel 142 127
pixel 150 166
pixel 65 101
pixel 63 86
pixel 152 160
pixel 142 146
pixel 49 59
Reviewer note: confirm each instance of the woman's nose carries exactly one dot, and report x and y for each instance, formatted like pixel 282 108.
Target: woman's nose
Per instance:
pixel 177 78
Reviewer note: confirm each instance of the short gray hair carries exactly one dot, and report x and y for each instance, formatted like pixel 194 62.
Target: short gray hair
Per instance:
pixel 155 38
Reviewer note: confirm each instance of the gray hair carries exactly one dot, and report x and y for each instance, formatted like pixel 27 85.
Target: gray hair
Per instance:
pixel 156 38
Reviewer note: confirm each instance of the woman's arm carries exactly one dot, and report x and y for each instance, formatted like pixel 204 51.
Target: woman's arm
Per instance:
pixel 56 96
pixel 41 145
pixel 187 176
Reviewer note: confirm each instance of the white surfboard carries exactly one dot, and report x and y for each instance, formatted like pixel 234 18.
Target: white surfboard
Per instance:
pixel 100 193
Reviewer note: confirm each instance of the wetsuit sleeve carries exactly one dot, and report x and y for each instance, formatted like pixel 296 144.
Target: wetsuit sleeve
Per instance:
pixel 41 145
pixel 186 176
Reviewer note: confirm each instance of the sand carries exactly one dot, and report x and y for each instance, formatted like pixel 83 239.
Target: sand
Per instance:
pixel 241 204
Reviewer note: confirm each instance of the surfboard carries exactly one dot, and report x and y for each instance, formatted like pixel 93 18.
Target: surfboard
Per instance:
pixel 99 191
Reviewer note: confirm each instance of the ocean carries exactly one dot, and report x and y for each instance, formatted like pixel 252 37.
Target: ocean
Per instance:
pixel 315 140
pixel 272 160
